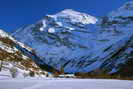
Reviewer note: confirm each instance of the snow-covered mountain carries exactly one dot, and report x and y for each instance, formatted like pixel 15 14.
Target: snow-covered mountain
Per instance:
pixel 60 38
pixel 13 61
pixel 79 42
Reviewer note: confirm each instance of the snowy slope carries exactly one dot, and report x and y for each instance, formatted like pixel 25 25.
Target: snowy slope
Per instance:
pixel 13 61
pixel 117 28
pixel 77 41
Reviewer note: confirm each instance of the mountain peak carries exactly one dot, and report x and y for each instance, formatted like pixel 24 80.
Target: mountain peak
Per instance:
pixel 125 11
pixel 69 11
pixel 75 16
pixel 128 6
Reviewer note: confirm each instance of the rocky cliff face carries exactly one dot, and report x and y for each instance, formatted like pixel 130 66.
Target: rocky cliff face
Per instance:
pixel 79 42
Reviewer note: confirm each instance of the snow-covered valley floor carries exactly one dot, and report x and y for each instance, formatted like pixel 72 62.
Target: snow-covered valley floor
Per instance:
pixel 65 84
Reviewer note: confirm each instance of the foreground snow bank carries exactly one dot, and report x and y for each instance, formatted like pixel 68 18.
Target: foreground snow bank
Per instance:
pixel 48 83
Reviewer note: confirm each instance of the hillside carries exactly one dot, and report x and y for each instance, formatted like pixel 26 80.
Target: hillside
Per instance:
pixel 13 62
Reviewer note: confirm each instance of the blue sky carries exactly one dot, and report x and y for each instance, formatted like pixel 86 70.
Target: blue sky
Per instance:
pixel 17 13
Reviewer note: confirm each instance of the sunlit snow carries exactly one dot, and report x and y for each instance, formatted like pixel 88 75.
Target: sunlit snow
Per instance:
pixel 51 30
pixel 77 17
pixel 41 29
